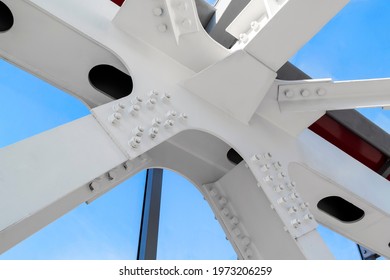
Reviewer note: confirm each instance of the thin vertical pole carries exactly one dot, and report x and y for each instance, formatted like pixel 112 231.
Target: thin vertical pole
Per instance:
pixel 147 246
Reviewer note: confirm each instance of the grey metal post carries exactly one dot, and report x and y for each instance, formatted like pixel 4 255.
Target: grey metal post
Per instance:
pixel 147 246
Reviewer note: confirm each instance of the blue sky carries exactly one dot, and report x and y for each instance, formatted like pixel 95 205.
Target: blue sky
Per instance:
pixel 354 45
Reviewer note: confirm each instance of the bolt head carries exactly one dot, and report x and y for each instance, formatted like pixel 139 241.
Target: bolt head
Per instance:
pixel 158 11
pixel 321 92
pixel 162 28
pixel 305 92
pixel 289 93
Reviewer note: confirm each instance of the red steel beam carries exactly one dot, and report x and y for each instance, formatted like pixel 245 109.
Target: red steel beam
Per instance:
pixel 349 142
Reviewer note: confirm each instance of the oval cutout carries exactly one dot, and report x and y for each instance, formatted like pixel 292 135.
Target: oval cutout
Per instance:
pixel 340 209
pixel 6 18
pixel 234 157
pixel 110 81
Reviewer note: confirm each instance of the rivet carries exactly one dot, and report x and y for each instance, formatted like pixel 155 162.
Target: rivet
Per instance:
pixel 321 92
pixel 183 6
pixel 162 28
pixel 243 38
pixel 282 175
pixel 158 11
pixel 289 93
pixel 114 117
pixel 305 92
pixel 169 123
pixel 248 253
pixel 111 175
pixel 151 102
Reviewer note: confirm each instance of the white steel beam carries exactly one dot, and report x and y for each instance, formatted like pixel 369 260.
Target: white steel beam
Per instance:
pixel 44 176
pixel 319 95
pixel 273 31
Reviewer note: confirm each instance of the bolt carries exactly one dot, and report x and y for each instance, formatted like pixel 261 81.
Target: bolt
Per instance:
pixel 169 123
pixel 151 102
pixel 222 201
pixel 183 116
pixel 256 158
pixel 171 114
pixel 114 117
pixel 156 122
pixel 93 186
pixel 279 188
pixel 153 93
pixel 158 11
pixel 213 192
pixel 265 167
pixel 166 97
pixel 111 175
pixel 118 106
pixel 248 253
pixel 138 131
pixel 277 165
pixel 282 175
pixel 289 93
pixel 243 38
pixel 258 185
pixel 237 231
pixel 268 178
pixel 225 211
pixel 304 205
pixel 305 92
pixel 186 23
pixel 294 196
pixel 267 155
pixel 182 6
pixel 162 28
pixel 321 92
pixel 246 241
pixel 295 223
pixel 292 210
pixel 134 142
pixel 308 217
pixel 134 109
pixel 153 132
pixel 255 26
pixel 282 200
pixel 234 221
pixel 136 100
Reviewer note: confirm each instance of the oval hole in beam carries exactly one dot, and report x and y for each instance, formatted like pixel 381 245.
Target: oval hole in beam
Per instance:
pixel 234 157
pixel 110 81
pixel 6 18
pixel 340 209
